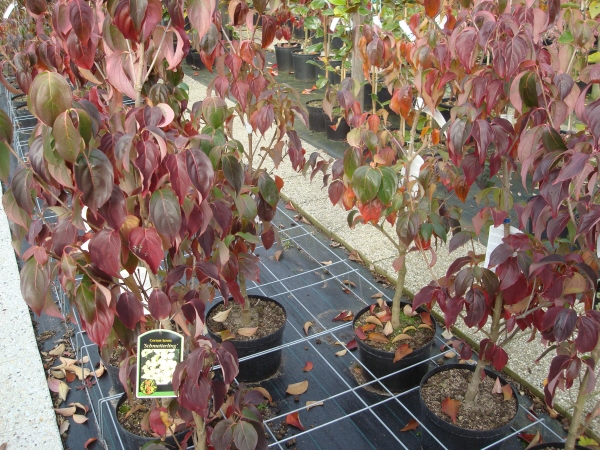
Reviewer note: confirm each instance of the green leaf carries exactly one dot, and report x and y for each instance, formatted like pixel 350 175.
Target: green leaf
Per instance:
pixel 214 111
pixel 426 231
pixel 314 48
pixel 84 299
pixel 13 211
pixel 268 189
pixel 318 4
pixel 233 171
pixel 246 207
pixel 67 139
pixel 4 161
pixel 553 141
pixel 365 183
pixel 594 58
pixel 85 125
pixel 249 237
pixel 389 185
pixel 351 162
pixel 6 128
pixel 594 8
pixel 49 95
pixel 165 213
pixel 322 81
pixel 350 217
pixel 565 38
pixel 528 89
pixel 338 2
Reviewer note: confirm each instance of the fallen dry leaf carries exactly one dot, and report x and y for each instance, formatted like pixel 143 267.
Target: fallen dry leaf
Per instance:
pixel 222 316
pixel 195 74
pixel 531 439
pixel 247 331
pixel 447 334
pixel 59 374
pixel 293 419
pixel 375 320
pixel 411 425
pixel 360 333
pixel 78 418
pixel 424 325
pixel 99 371
pixel 307 325
pixel 264 392
pixel 378 337
pixel 289 206
pixel 297 388
pixel 411 328
pixel 341 352
pixel 57 351
pixel 79 405
pixel 349 283
pixel 53 384
pixel 70 376
pixel 226 334
pixel 326 263
pixel 277 255
pixel 136 408
pixel 65 412
pixel 401 337
pixel 351 345
pixel 311 404
pixel 63 427
pixel 342 316
pixel 368 327
pixel 409 311
pixel 89 441
pixel 63 390
pixel 426 318
pixel 497 389
pixel 402 351
pixel 378 295
pixel 449 354
pixel 450 408
pixel 354 256
pixel 508 393
pixel 388 329
pixel 308 366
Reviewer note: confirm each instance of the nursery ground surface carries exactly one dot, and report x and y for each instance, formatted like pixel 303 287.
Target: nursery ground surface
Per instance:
pixel 315 279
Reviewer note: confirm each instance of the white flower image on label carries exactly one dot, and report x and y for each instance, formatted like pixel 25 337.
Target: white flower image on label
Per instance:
pixel 159 366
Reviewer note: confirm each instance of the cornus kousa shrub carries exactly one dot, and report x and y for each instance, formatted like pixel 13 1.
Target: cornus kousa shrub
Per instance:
pixel 136 200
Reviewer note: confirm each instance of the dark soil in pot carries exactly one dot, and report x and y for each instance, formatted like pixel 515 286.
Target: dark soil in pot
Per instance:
pixel 316 116
pixel 303 71
pixel 334 77
pixel 342 130
pixel 270 317
pixel 134 437
pixel 283 56
pixel 487 420
pixel 378 357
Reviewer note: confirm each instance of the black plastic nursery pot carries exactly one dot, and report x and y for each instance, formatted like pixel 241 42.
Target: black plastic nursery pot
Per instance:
pixel 546 445
pixel 303 71
pixel 283 56
pixel 452 436
pixel 197 61
pixel 298 32
pixel 381 362
pixel 261 367
pixel 134 441
pixel 113 374
pixel 383 95
pixel 336 43
pixel 334 78
pixel 340 133
pixel 316 117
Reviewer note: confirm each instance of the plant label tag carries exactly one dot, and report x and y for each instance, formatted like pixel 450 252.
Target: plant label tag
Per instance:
pixel 334 23
pixel 406 30
pixel 495 237
pixel 158 353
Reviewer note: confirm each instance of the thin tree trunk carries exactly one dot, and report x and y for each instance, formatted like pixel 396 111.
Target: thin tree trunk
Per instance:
pixel 200 435
pixel 357 72
pixel 396 307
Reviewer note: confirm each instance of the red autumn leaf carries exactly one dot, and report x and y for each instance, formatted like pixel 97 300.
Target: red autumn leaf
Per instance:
pixel 268 30
pixel 432 7
pixel 294 420
pixel 360 333
pixel 401 102
pixel 461 188
pixel 159 304
pixel 308 367
pixel 370 211
pixel 450 407
pixel 352 345
pixel 411 425
pixel 129 309
pixel 146 244
pixel 402 351
pixel 340 316
pixel 156 422
pixel 70 377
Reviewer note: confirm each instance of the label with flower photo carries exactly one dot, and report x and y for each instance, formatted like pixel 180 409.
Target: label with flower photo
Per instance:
pixel 159 352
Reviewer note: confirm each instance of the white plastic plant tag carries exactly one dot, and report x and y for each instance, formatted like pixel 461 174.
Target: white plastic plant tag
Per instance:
pixel 407 30
pixel 437 116
pixel 413 173
pixel 334 23
pixel 377 21
pixel 159 352
pixel 495 237
pixel 248 128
